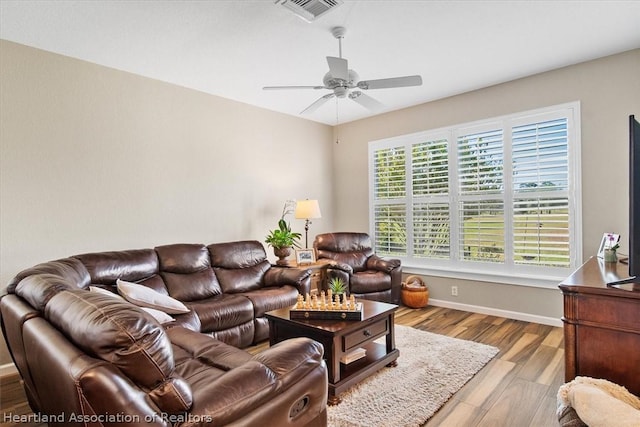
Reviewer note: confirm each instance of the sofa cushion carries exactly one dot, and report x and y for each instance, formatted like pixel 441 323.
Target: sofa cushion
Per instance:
pixel 222 312
pixel 239 266
pixel 186 271
pixel 348 248
pixel 237 254
pixel 147 297
pixel 132 265
pixel 123 335
pixel 370 281
pixel 267 299
pixel 195 352
pixel 191 287
pixel 233 280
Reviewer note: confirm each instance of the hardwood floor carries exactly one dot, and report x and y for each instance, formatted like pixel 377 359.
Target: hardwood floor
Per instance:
pixel 517 388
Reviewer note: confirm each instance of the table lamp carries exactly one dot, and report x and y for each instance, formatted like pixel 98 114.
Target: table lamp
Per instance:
pixel 307 209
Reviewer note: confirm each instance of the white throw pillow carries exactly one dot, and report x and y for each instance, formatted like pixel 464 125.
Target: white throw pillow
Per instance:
pixel 146 297
pixel 105 292
pixel 160 316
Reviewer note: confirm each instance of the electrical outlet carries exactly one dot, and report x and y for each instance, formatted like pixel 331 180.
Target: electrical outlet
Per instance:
pixel 454 291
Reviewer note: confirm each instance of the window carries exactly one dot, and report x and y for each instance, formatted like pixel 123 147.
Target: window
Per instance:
pixel 498 197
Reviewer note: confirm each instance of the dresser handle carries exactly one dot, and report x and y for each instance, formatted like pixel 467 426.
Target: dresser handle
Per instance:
pixel 367 333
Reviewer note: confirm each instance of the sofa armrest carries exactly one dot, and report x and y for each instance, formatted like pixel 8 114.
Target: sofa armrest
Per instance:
pixel 381 264
pixel 278 276
pixel 188 320
pixel 339 266
pixel 291 359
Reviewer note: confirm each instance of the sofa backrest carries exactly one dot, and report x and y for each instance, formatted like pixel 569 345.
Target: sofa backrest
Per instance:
pixel 71 270
pixel 186 271
pixel 122 334
pixel 348 248
pixel 132 265
pixel 239 266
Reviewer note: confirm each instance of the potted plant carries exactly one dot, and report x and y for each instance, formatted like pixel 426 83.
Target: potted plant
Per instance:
pixel 337 286
pixel 610 248
pixel 282 239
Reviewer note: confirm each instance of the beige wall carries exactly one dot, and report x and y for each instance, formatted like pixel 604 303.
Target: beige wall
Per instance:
pixel 96 159
pixel 608 90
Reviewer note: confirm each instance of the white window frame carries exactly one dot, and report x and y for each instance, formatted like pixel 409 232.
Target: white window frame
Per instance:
pixel 507 272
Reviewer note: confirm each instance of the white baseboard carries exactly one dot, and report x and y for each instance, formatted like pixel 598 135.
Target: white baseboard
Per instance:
pixel 543 320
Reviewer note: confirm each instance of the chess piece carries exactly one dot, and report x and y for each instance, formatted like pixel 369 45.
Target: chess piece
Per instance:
pixel 307 302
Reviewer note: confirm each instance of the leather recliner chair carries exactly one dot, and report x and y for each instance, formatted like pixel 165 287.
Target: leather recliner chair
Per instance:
pixel 365 274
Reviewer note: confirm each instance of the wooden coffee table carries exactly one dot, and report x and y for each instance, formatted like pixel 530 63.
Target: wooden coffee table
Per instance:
pixel 339 337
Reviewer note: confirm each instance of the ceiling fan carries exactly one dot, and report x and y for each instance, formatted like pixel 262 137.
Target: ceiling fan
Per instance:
pixel 344 82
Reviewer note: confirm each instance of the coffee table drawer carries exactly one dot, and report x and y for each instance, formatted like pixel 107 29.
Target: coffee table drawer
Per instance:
pixel 365 334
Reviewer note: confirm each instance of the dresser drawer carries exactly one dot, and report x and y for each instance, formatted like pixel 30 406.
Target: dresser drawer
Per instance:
pixel 367 333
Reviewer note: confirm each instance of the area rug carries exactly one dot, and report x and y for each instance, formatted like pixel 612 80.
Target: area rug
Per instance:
pixel 431 368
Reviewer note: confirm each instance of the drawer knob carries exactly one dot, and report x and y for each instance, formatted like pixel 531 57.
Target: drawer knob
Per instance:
pixel 367 333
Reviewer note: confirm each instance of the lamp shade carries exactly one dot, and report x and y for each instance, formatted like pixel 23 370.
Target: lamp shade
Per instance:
pixel 307 209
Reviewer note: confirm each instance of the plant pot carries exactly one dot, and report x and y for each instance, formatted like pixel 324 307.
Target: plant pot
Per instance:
pixel 610 255
pixel 282 254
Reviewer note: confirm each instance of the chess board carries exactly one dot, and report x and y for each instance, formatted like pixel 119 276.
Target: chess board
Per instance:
pixel 326 307
pixel 318 314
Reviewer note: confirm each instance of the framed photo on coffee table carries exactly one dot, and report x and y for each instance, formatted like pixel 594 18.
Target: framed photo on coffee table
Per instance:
pixel 305 256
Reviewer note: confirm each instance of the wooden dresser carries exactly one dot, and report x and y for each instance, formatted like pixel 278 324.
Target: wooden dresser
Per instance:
pixel 602 325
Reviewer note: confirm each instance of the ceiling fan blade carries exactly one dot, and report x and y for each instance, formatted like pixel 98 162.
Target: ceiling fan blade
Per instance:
pixel 366 101
pixel 292 87
pixel 391 82
pixel 317 103
pixel 338 67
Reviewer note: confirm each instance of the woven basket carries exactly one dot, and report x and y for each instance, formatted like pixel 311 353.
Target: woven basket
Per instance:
pixel 414 293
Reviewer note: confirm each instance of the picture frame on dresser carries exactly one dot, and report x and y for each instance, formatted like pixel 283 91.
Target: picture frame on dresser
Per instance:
pixel 305 256
pixel 608 240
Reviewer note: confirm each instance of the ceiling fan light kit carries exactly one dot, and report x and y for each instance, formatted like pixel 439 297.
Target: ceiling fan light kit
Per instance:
pixel 342 81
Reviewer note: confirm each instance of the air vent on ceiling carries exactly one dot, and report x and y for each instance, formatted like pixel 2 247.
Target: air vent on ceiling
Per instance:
pixel 309 10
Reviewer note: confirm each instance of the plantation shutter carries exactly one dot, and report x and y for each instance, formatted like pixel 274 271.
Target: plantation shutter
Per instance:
pixel 389 192
pixel 481 188
pixel 430 191
pixel 540 199
pixel 498 197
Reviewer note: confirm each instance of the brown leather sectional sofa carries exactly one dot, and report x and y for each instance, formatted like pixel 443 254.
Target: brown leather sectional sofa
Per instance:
pixel 88 358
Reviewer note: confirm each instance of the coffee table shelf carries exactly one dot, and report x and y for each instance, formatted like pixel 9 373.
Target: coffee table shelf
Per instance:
pixel 339 337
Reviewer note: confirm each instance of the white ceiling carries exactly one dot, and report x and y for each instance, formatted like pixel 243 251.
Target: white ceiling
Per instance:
pixel 234 48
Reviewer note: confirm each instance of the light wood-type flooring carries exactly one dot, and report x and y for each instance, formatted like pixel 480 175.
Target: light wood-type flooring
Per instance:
pixel 517 388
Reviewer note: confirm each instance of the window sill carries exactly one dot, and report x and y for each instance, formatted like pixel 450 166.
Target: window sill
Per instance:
pixel 536 281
